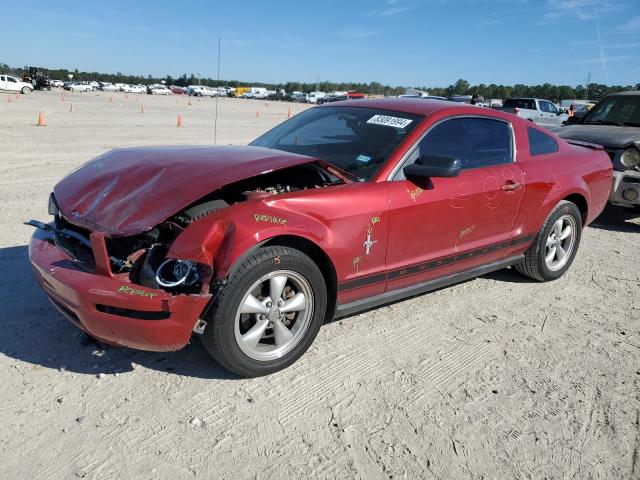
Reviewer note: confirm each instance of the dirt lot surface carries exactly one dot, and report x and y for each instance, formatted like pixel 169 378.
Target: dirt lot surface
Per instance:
pixel 498 377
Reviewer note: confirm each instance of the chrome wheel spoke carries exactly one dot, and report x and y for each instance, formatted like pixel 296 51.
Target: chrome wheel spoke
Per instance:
pixel 551 255
pixel 255 333
pixel 557 227
pixel 566 233
pixel 276 287
pixel 253 305
pixel 561 253
pixel 550 241
pixel 295 304
pixel 281 333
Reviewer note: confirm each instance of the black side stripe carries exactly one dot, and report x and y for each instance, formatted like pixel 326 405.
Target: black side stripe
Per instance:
pixel 433 264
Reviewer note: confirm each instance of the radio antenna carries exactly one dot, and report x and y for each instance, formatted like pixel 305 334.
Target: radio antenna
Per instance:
pixel 215 121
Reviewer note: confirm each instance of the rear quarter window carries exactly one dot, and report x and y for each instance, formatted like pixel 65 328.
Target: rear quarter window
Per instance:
pixel 540 143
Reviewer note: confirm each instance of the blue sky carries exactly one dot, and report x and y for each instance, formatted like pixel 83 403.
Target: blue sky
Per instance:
pixel 396 42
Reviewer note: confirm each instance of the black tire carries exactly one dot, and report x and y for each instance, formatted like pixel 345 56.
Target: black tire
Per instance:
pixel 534 264
pixel 26 90
pixel 219 336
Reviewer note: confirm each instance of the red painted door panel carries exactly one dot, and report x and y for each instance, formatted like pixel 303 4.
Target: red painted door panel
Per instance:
pixel 454 225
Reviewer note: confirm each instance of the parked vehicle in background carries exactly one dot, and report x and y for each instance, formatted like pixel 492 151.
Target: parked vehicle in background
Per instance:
pixel 120 86
pixel 313 97
pixel 335 211
pixel 279 96
pixel 57 83
pixel 333 98
pixel 134 89
pixel 460 98
pixel 202 91
pixel 107 87
pixel 301 97
pixel 80 87
pixel 614 122
pixel 12 84
pixel 158 90
pixel 356 95
pixel 578 113
pixel 257 92
pixel 38 78
pixel 539 111
pixel 177 90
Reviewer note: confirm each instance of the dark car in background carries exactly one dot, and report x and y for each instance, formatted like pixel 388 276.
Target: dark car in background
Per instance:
pixel 615 124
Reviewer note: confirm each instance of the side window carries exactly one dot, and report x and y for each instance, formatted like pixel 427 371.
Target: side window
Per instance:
pixel 11 79
pixel 544 107
pixel 476 142
pixel 540 143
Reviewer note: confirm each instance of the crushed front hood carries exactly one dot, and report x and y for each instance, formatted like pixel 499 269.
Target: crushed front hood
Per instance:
pixel 609 136
pixel 129 191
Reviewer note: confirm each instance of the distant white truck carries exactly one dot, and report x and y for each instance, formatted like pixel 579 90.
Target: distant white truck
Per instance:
pixel 202 91
pixel 537 110
pixel 313 97
pixel 12 84
pixel 256 92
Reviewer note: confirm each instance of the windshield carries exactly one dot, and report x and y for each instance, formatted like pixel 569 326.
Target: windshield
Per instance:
pixel 622 110
pixel 356 140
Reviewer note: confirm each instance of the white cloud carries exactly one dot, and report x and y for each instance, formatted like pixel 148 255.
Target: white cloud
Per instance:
pixel 632 25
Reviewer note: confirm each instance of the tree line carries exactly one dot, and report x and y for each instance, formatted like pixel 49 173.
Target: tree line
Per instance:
pixel 593 91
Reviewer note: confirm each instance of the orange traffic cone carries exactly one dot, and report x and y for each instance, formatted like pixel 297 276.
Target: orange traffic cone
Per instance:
pixel 41 120
pixel 9 99
pixel 16 96
pixel 71 108
pixel 142 108
pixel 179 121
pixel 257 113
pixel 189 102
pixel 289 114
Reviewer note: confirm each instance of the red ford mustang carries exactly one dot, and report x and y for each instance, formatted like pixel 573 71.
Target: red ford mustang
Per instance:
pixel 342 208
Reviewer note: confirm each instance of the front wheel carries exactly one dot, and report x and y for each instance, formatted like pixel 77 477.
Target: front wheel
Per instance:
pixel 268 313
pixel 555 245
pixel 26 90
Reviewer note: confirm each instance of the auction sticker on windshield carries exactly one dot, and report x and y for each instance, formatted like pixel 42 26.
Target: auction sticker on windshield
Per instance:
pixel 388 121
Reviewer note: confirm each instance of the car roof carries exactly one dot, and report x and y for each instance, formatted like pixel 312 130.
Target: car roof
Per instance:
pixel 630 92
pixel 417 106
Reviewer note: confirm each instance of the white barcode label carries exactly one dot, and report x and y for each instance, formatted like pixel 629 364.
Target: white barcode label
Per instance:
pixel 388 121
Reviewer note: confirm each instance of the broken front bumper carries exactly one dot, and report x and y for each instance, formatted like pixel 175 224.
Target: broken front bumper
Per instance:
pixel 625 189
pixel 111 308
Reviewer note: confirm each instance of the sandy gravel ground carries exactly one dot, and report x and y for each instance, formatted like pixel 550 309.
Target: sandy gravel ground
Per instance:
pixel 498 377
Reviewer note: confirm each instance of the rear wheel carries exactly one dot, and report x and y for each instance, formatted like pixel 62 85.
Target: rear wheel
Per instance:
pixel 268 313
pixel 555 245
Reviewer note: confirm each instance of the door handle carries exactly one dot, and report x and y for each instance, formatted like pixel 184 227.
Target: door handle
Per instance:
pixel 511 186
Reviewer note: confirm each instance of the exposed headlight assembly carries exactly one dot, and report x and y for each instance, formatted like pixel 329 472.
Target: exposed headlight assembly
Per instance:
pixel 175 273
pixel 630 158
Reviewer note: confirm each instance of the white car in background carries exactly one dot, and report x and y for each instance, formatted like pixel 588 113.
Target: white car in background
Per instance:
pixel 158 90
pixel 108 87
pixel 81 87
pixel 57 83
pixel 12 84
pixel 134 89
pixel 202 91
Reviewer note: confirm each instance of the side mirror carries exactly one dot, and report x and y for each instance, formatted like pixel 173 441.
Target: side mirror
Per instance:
pixel 433 166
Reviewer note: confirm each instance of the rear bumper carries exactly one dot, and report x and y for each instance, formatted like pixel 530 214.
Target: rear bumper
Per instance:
pixel 84 298
pixel 623 182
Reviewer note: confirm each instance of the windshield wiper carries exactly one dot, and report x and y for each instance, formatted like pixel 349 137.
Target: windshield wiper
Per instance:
pixel 602 122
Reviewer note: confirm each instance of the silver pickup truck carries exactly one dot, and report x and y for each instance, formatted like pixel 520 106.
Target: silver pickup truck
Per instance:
pixel 540 111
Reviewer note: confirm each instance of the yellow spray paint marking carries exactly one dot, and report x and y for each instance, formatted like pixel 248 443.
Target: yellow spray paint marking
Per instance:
pixel 356 263
pixel 261 217
pixel 465 232
pixel 415 193
pixel 136 292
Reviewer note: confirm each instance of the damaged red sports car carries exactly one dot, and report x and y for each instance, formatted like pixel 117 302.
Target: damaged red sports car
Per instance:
pixel 342 208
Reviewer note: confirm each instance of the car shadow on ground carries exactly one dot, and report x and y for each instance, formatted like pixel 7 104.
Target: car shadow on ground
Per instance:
pixel 33 331
pixel 618 219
